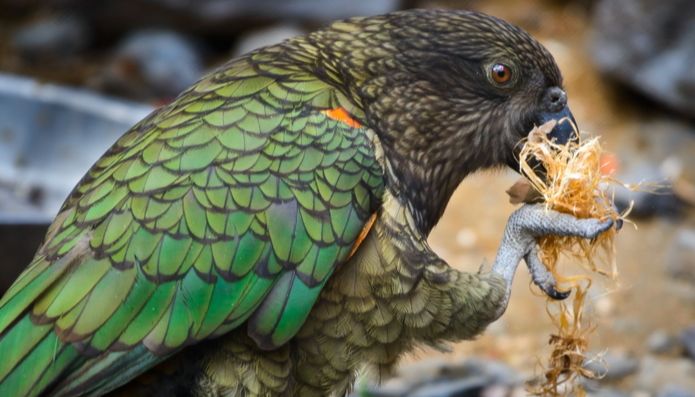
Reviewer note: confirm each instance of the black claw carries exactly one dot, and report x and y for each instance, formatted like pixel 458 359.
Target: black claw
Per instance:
pixel 555 294
pixel 604 228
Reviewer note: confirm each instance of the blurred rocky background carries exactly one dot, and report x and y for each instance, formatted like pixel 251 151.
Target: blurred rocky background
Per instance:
pixel 75 74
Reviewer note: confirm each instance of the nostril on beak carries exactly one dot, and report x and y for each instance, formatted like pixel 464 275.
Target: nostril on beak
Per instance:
pixel 554 99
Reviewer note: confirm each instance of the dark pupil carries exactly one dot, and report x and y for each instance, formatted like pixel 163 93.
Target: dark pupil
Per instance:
pixel 500 71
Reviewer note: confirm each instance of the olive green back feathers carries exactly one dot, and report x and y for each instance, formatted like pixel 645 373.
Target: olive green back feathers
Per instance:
pixel 233 204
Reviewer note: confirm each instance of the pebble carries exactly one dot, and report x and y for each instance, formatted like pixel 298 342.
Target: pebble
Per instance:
pixel 499 391
pixel 608 392
pixel 661 342
pixel 675 391
pixel 153 63
pixel 644 202
pixel 394 387
pixel 655 39
pixel 421 371
pixel 496 372
pixel 590 385
pixel 613 366
pixel 436 377
pixel 51 37
pixel 657 373
pixel 688 341
pixel 470 387
pixel 680 256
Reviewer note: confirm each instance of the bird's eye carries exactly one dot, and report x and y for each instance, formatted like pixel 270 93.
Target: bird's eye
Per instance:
pixel 501 74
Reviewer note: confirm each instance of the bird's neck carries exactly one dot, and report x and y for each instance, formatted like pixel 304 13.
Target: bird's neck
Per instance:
pixel 424 189
pixel 345 55
pixel 419 135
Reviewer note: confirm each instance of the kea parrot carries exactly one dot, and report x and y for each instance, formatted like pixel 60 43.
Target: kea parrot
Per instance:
pixel 266 232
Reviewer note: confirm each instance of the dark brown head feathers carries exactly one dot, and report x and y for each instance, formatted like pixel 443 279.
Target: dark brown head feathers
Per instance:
pixel 423 79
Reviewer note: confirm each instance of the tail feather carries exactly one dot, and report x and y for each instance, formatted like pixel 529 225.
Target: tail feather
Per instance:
pixel 33 282
pixel 39 358
pixel 106 372
pixel 33 354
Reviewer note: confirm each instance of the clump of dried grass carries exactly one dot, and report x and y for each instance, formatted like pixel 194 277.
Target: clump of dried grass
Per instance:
pixel 574 183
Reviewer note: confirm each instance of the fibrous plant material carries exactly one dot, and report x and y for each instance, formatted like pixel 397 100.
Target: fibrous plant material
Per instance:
pixel 569 178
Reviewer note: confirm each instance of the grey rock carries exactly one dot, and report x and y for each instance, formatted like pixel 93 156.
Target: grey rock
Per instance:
pixel 504 391
pixel 613 366
pixel 51 37
pixel 648 45
pixel 45 131
pixel 425 370
pixel 590 385
pixel 608 392
pixel 496 372
pixel 656 373
pixel 395 387
pixel 664 154
pixel 661 342
pixel 264 37
pixel 437 377
pixel 156 63
pixel 675 391
pixel 688 341
pixel 650 202
pixel 470 387
pixel 680 256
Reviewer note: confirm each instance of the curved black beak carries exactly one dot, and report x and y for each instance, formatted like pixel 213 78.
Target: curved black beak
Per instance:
pixel 566 128
pixel 553 106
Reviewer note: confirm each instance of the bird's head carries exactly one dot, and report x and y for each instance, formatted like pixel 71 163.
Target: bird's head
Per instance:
pixel 447 92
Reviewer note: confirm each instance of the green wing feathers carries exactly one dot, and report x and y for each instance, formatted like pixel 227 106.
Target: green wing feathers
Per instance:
pixel 232 205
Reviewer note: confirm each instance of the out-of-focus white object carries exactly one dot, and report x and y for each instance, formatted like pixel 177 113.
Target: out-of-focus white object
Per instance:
pixel 49 137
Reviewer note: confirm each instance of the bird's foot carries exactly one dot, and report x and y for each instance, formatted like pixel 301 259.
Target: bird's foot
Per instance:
pixel 537 221
pixel 524 227
pixel 542 277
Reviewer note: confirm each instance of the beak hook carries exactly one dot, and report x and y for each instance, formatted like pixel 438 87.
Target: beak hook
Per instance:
pixel 566 128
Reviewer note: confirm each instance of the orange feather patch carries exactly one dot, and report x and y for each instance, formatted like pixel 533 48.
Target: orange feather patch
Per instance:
pixel 340 114
pixel 363 235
